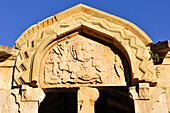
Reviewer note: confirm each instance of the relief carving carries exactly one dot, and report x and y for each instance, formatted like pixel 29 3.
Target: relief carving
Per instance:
pixel 143 90
pixel 82 61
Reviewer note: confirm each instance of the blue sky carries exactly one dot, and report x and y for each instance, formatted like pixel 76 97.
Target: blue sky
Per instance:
pixel 152 16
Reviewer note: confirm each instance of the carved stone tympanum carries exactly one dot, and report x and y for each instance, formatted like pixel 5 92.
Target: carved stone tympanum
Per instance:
pixel 69 61
pixel 80 61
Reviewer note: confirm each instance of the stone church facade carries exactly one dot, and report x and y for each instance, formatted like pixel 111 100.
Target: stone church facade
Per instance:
pixel 83 60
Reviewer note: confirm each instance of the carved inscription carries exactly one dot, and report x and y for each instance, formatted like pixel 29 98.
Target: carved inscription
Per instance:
pixel 79 60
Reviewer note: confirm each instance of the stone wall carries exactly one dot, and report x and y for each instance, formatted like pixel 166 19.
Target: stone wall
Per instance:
pixel 92 53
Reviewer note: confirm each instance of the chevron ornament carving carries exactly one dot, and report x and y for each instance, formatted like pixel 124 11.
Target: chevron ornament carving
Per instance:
pixel 35 35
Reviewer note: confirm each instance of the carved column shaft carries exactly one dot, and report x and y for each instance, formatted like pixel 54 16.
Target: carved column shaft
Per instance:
pixel 86 99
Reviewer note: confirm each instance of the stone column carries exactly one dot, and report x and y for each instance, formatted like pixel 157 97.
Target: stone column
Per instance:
pixel 149 99
pixel 141 99
pixel 86 99
pixel 30 99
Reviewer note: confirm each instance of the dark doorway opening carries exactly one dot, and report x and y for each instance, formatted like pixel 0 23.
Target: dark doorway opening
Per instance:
pixel 114 100
pixel 61 102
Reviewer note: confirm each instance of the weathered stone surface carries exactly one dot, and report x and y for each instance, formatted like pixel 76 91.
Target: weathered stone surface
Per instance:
pixel 6 67
pixel 132 93
pixel 79 61
pixel 163 74
pixel 126 38
pixel 161 47
pixel 158 100
pixel 166 58
pixel 144 91
pixel 29 107
pixel 86 99
pixel 5 78
pixel 5 51
pixel 142 106
pixel 76 50
pixel 168 97
pixel 157 103
pixel 106 16
pixel 9 101
pixel 32 94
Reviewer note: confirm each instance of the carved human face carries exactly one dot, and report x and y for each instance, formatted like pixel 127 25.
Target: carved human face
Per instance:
pixel 82 51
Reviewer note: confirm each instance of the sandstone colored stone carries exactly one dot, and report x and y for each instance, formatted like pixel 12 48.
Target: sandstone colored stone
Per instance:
pixel 132 93
pixel 29 107
pixel 168 97
pixel 100 14
pixel 9 101
pixel 32 94
pixel 5 78
pixel 82 62
pixel 142 60
pixel 163 75
pixel 7 61
pixel 144 91
pixel 161 46
pixel 77 55
pixel 86 99
pixel 166 58
pixel 159 100
pixel 6 51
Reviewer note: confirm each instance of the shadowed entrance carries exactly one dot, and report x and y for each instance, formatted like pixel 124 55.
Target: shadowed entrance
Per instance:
pixel 111 100
pixel 114 100
pixel 61 102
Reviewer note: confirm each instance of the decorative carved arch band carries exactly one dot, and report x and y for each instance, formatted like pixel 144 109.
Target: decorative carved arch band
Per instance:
pixel 120 36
